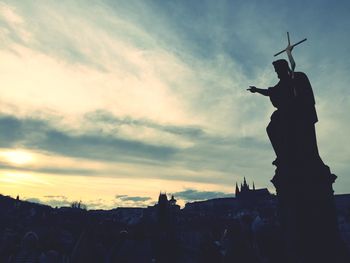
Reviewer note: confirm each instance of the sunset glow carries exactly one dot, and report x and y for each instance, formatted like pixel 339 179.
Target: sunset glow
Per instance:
pixel 17 157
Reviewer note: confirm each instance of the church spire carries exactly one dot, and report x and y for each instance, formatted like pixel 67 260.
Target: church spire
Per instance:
pixel 245 185
pixel 237 190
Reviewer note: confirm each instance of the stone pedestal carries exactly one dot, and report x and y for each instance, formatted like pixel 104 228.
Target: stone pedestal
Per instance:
pixel 307 213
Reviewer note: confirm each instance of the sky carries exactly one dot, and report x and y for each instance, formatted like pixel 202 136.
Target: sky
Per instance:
pixel 111 102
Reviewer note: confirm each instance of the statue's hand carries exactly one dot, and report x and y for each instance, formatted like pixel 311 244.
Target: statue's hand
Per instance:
pixel 252 89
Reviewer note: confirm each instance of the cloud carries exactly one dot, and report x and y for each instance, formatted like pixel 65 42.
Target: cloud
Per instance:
pixel 34 200
pixel 133 198
pixel 53 201
pixel 205 161
pixel 57 202
pixel 13 25
pixel 193 195
pixel 133 201
pixel 49 170
pixel 63 201
pixel 87 152
pixel 120 196
pixel 97 204
pixel 40 134
pixel 106 117
pixel 134 79
pixel 56 196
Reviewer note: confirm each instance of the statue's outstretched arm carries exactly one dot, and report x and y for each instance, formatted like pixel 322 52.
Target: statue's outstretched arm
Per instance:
pixel 254 89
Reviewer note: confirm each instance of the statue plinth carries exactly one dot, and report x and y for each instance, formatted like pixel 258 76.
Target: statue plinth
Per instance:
pixel 307 213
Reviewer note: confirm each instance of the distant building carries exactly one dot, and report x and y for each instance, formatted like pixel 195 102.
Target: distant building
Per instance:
pixel 167 210
pixel 164 212
pixel 245 198
pixel 164 203
pixel 246 194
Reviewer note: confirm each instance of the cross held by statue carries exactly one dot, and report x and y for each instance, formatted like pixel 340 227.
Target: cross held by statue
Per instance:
pixel 288 50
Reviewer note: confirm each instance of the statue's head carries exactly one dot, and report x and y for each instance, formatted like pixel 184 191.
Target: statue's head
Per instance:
pixel 282 68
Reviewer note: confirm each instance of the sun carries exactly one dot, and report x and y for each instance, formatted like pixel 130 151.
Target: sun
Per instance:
pixel 18 157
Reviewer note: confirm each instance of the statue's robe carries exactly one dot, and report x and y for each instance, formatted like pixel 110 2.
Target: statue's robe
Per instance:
pixel 292 127
pixel 306 118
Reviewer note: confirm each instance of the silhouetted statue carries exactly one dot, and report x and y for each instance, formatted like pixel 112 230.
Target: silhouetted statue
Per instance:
pixel 292 127
pixel 303 182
